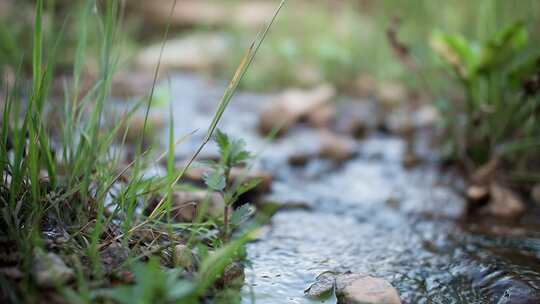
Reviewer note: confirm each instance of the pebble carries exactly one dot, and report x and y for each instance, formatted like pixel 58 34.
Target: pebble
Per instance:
pixel 50 270
pixel 292 106
pixel 352 288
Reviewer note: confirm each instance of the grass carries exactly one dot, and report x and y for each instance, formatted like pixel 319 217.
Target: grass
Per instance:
pixel 64 178
pixel 497 117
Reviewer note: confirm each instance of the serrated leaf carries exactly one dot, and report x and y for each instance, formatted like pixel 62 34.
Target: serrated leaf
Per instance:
pixel 215 180
pixel 238 153
pixel 223 142
pixel 248 185
pixel 242 214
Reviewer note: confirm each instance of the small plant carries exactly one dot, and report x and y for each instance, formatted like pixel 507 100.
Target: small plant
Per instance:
pixel 152 284
pixel 500 111
pixel 232 153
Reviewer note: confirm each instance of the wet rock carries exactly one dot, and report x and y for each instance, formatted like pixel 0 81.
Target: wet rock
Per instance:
pixel 292 106
pixel 535 193
pixel 190 52
pixel 323 116
pixel 299 159
pixel 504 202
pixel 50 270
pixel 203 12
pixel 322 287
pixel 356 118
pixel 477 195
pixel 485 174
pixel 237 174
pixel 352 288
pixel 336 147
pixel 369 290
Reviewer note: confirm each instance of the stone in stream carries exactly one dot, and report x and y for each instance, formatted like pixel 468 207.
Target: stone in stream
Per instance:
pixel 293 106
pixel 369 290
pixel 337 147
pixel 310 144
pixel 504 202
pixel 50 270
pixel 477 195
pixel 351 288
pixel 323 116
pixel 356 118
pixel 494 200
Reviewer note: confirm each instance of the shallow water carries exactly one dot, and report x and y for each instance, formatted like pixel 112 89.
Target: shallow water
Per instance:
pixel 368 215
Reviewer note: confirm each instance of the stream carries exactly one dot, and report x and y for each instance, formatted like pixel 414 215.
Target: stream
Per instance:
pixel 367 215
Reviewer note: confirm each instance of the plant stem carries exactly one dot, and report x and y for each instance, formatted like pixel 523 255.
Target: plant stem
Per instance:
pixel 226 207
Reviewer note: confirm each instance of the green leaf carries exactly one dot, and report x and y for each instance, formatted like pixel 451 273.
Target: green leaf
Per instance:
pixel 504 47
pixel 248 185
pixel 456 51
pixel 215 180
pixel 223 142
pixel 238 153
pixel 241 215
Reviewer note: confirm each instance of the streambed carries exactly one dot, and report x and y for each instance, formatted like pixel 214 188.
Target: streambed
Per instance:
pixel 367 215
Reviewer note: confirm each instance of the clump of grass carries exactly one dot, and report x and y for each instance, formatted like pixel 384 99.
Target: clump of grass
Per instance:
pixel 498 118
pixel 66 181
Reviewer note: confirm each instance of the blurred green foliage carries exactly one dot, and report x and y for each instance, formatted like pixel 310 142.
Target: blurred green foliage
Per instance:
pixel 336 41
pixel 499 78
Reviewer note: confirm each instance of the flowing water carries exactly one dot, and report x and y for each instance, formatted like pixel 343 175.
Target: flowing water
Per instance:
pixel 368 215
